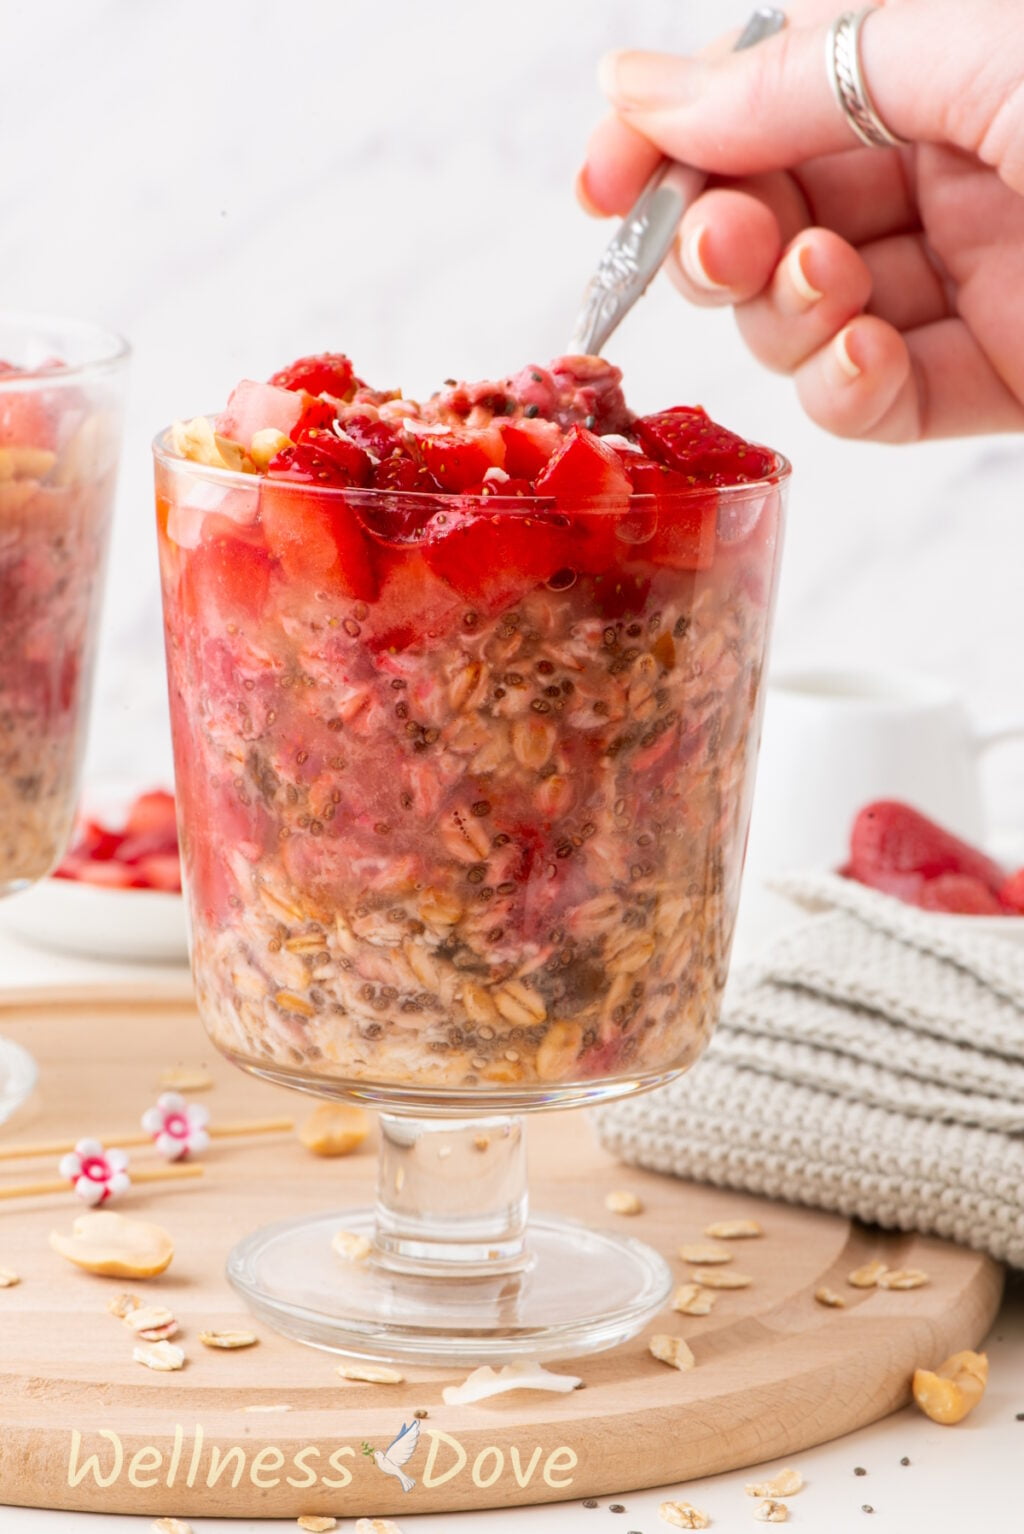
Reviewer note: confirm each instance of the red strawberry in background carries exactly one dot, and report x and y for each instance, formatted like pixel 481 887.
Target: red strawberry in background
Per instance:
pixel 687 439
pixel 1012 892
pixel 326 373
pixel 896 849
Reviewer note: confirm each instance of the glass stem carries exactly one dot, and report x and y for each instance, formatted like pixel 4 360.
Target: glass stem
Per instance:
pixel 451 1196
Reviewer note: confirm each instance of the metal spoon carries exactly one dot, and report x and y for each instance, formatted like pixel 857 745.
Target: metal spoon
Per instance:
pixel 645 236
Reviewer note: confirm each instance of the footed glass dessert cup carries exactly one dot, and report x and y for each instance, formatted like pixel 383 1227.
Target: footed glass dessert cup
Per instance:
pixel 464 785
pixel 61 387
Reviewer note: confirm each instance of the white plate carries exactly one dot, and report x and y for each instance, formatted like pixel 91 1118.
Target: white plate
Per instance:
pixel 75 917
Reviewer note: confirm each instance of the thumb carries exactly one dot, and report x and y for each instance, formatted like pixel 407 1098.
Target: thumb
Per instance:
pixel 773 106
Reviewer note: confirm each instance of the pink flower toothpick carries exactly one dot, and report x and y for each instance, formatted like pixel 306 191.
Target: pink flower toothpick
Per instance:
pixel 96 1174
pixel 178 1127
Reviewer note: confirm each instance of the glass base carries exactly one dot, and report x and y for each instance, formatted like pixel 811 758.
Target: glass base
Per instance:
pixel 580 1291
pixel 18 1077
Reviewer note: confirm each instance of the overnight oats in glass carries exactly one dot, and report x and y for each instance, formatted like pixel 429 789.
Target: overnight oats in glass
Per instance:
pixel 61 385
pixel 466 699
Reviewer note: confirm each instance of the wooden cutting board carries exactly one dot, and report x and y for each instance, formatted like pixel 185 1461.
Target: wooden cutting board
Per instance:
pixel 272 1431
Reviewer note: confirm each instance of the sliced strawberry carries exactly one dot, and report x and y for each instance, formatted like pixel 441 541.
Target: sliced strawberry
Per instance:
pixel 97 841
pixel 677 527
pixel 379 438
pixel 254 407
pixel 153 811
pixel 112 874
pixel 960 894
pixel 326 373
pixel 317 540
pixel 1012 892
pixel 459 460
pixel 686 438
pixel 892 843
pixel 586 473
pixel 160 871
pixel 529 445
pixel 322 457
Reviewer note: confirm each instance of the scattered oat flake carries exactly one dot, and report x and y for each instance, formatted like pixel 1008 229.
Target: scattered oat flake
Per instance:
pixel 867 1277
pixel 150 1321
pixel 335 1129
pixel 376 1526
pixel 786 1484
pixel 350 1245
pixel 8 1278
pixel 704 1252
pixel 903 1278
pixel 485 1382
pixel 122 1304
pixel 948 1393
pixel 721 1278
pixel 186 1078
pixel 734 1230
pixel 621 1201
pixel 771 1512
pixel 827 1296
pixel 171 1526
pixel 671 1350
pixel 692 1300
pixel 165 1357
pixel 228 1340
pixel 315 1524
pixel 372 1374
pixel 683 1515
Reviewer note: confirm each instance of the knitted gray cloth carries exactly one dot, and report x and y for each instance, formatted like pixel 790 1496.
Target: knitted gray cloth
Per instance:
pixel 872 1062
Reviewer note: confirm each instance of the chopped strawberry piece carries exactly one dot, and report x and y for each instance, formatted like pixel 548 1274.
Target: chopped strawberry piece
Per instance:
pixel 322 457
pixel 1012 892
pixel 378 438
pixel 677 528
pixel 317 415
pixel 529 445
pixel 397 472
pixel 586 473
pixel 458 460
pixel 893 846
pixel 317 540
pixel 96 841
pixel 686 439
pixel 959 894
pixel 254 407
pixel 326 373
pixel 226 574
pixel 493 559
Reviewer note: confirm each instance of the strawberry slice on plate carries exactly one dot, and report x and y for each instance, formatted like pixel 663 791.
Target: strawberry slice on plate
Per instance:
pixel 893 846
pixel 1012 892
pixel 959 895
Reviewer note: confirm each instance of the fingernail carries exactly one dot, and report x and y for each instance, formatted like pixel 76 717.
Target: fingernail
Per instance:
pixel 691 258
pixel 584 198
pixel 843 355
pixel 641 79
pixel 795 268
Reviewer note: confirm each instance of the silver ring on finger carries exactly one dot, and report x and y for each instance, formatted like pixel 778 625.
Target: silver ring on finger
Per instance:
pixel 846 76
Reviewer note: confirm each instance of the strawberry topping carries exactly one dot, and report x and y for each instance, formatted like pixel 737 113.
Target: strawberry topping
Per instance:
pixel 326 373
pixel 686 438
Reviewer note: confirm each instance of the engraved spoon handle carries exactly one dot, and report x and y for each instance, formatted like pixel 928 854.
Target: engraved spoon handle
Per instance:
pixel 645 236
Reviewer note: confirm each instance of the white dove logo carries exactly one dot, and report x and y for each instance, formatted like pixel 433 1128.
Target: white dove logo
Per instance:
pixel 398 1453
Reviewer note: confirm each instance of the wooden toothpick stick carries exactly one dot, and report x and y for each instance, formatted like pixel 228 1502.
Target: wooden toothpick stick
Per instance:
pixel 215 1131
pixel 140 1174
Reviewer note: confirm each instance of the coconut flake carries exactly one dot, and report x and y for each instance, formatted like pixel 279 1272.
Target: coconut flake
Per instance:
pixel 486 1382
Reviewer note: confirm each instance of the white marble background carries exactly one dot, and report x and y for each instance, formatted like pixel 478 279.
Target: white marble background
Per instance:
pixel 231 184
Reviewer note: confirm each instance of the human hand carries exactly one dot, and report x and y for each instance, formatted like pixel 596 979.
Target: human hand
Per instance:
pixel 889 283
